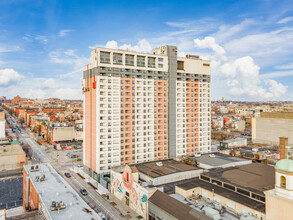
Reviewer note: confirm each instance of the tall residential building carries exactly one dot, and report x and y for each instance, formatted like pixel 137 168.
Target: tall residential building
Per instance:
pixel 144 106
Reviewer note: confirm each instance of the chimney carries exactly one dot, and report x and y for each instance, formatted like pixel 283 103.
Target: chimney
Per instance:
pixel 283 149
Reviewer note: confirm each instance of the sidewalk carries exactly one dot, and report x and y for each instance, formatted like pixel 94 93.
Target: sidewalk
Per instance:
pixel 122 207
pixel 114 202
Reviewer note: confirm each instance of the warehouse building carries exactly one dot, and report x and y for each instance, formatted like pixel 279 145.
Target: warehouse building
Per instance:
pixel 12 157
pixel 236 190
pixel 134 184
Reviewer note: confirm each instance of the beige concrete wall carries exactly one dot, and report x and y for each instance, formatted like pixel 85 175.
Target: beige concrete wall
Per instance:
pixel 280 115
pixel 195 66
pixel 175 177
pixel 185 193
pixel 278 208
pixel 268 130
pixel 240 125
pixel 79 135
pixel 63 133
pixel 8 162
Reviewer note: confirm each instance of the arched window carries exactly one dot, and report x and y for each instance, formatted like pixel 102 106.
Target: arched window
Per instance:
pixel 283 182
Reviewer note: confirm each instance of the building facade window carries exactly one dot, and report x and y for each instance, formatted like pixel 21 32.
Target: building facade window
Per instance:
pixel 283 182
pixel 104 57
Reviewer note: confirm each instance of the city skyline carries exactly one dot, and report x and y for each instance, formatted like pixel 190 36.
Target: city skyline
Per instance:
pixel 43 46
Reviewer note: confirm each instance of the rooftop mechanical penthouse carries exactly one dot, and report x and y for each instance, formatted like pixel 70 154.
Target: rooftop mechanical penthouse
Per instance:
pixel 144 106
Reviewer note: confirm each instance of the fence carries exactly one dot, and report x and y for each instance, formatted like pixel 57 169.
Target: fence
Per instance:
pixel 8 173
pixel 10 205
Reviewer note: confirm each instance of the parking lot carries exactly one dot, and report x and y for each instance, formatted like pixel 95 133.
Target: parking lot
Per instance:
pixel 63 158
pixel 11 193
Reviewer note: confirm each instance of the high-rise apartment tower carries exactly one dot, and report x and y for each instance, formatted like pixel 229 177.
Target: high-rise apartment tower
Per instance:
pixel 144 106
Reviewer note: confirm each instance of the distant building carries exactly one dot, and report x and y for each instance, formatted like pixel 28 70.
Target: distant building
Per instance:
pixel 269 127
pixel 3 99
pixel 60 133
pixel 16 100
pixel 11 157
pixel 232 143
pixel 238 125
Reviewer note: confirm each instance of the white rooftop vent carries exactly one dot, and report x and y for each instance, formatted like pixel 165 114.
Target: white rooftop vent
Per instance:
pixel 159 164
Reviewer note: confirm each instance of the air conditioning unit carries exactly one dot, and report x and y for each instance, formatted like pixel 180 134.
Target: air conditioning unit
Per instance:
pixel 159 164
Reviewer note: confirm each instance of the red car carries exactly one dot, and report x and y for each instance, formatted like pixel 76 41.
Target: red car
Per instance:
pixel 67 175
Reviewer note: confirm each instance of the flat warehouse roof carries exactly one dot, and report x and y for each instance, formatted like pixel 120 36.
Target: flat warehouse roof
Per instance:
pixel 12 149
pixel 251 203
pixel 254 177
pixel 233 140
pixel 176 208
pixel 169 166
pixel 218 160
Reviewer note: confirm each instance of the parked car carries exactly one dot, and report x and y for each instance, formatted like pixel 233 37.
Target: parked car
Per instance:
pixel 83 192
pixel 71 155
pixel 67 175
pixel 101 214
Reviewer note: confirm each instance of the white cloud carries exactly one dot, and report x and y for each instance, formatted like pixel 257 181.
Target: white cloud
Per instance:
pixel 5 49
pixel 276 89
pixel 42 39
pixel 50 83
pixel 210 42
pixel 268 47
pixel 241 75
pixel 68 57
pixel 9 77
pixel 285 20
pixel 64 33
pixel 227 32
pixel 243 80
pixel 112 44
pixel 34 87
pixel 72 74
pixel 68 93
pixel 285 66
pixel 142 46
pixel 277 74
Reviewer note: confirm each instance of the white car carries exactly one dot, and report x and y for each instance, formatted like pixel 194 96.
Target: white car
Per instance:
pixel 101 214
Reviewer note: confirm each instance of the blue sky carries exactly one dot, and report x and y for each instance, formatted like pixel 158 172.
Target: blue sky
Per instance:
pixel 44 44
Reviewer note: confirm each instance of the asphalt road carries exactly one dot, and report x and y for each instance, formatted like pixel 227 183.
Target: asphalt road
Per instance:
pixel 93 199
